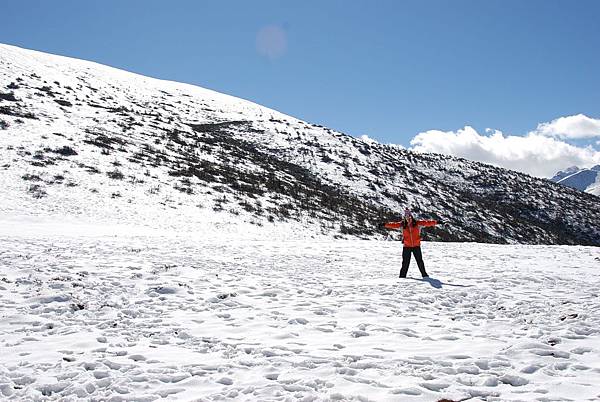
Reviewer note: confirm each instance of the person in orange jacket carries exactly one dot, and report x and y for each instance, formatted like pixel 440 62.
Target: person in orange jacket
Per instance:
pixel 411 238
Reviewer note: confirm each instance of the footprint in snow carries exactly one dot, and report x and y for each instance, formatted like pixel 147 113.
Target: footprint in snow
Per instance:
pixel 272 376
pixel 137 358
pixel 406 391
pixel 513 380
pixel 435 386
pixel 532 368
pixel 301 321
pixel 358 333
pixel 581 350
pixel 225 381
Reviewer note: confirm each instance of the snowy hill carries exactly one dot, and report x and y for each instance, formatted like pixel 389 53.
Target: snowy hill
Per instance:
pixel 587 180
pixel 89 145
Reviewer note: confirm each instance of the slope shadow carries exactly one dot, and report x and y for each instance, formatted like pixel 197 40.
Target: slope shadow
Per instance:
pixel 436 283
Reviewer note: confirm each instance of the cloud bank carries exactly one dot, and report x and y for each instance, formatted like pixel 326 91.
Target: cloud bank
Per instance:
pixel 537 154
pixel 574 127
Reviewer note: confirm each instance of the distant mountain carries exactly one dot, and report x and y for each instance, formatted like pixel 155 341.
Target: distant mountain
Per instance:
pixel 564 173
pixel 82 142
pixel 587 180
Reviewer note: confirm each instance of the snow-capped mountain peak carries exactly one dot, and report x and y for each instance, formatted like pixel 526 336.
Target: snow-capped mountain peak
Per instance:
pixel 583 179
pixel 564 173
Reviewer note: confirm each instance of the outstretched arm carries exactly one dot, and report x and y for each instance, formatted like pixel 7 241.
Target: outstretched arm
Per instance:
pixel 427 223
pixel 393 225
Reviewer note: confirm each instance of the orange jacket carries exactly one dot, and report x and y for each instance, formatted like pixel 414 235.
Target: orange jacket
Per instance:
pixel 411 235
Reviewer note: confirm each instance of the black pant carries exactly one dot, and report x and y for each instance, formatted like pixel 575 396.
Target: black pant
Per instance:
pixel 406 252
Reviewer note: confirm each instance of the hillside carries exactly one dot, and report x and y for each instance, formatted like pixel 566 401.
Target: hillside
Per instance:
pixel 90 144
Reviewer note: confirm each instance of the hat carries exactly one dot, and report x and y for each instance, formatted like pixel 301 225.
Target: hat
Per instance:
pixel 407 213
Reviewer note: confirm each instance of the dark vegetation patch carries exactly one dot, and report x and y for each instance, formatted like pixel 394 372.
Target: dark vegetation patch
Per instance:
pixel 119 110
pixel 37 191
pixel 31 177
pixel 103 139
pixel 88 168
pixel 63 102
pixel 16 112
pixel 40 159
pixel 115 174
pixel 8 97
pixel 65 151
pixel 47 90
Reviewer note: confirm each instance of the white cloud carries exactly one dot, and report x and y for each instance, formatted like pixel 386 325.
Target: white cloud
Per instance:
pixel 573 127
pixel 271 41
pixel 368 139
pixel 535 154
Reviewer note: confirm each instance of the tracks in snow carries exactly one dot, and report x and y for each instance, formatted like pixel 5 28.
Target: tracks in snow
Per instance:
pixel 147 318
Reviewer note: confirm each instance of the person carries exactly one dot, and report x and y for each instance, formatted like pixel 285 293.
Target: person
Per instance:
pixel 411 239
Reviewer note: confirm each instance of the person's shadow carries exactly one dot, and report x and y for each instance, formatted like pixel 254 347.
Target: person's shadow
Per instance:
pixel 436 283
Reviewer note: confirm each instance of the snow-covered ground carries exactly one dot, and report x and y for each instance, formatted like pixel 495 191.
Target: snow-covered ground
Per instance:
pixel 122 277
pixel 184 318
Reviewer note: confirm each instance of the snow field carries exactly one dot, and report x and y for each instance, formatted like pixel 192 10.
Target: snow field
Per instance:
pixel 144 318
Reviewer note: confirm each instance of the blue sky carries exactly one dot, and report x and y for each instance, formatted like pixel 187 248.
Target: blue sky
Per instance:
pixel 388 69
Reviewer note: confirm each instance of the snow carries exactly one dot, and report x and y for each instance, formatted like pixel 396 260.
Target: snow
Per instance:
pixel 84 204
pixel 145 317
pixel 129 289
pixel 144 200
pixel 594 188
